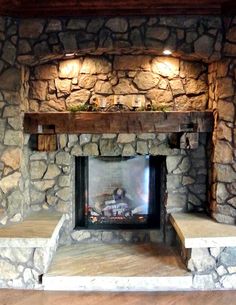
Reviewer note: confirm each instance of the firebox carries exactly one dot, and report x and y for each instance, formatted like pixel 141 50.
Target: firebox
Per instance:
pixel 118 192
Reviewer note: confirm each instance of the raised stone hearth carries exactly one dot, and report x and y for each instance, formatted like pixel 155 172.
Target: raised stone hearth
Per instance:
pixel 117 268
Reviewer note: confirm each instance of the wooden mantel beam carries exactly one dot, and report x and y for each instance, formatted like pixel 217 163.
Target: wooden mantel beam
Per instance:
pixel 118 122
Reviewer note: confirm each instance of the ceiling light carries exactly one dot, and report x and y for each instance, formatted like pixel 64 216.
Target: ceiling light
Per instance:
pixel 69 54
pixel 167 52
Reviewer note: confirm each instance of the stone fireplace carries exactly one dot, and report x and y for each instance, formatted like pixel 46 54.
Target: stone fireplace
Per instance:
pixel 66 65
pixel 163 83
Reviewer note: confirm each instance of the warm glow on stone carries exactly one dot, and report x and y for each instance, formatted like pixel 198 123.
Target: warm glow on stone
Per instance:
pixel 166 66
pixel 70 68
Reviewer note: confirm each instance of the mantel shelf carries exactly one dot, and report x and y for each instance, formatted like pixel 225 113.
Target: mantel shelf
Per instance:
pixel 118 122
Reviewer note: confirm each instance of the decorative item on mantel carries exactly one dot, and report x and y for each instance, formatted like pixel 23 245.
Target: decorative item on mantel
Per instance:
pixel 101 104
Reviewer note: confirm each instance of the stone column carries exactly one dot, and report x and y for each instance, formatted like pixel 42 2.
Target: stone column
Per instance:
pixel 11 127
pixel 222 101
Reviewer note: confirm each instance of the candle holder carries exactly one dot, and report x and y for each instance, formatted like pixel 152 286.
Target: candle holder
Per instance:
pixel 102 104
pixel 137 102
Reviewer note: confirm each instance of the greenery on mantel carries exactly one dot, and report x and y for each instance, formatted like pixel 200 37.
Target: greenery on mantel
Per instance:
pixel 94 108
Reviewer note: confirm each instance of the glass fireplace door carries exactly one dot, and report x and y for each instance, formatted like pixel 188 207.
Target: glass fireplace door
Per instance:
pixel 117 192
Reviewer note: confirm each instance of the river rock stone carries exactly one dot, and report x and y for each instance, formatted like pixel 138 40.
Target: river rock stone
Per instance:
pixel 81 235
pixel 126 138
pixel 11 111
pixel 87 81
pixel 54 25
pixel 77 150
pixel 10 79
pixel 46 72
pixel 31 28
pixel 12 158
pixel 52 172
pixel 63 87
pixel 43 185
pixel 125 86
pixel 64 180
pixel 201 260
pixel 221 193
pixel 103 87
pixel 225 87
pixel 68 40
pixel 191 69
pixel 228 257
pixel 77 97
pixel 225 173
pixel 9 52
pixel 142 147
pixel 193 86
pixel 157 32
pixel 64 193
pixel 39 90
pixel 95 66
pixel 15 201
pixel 224 132
pixel 8 270
pixel 204 46
pixel 117 24
pixel 63 158
pixel 52 106
pixel 76 24
pixel 223 152
pixel 146 80
pixel 226 110
pixel 37 169
pixel 160 97
pixel 109 147
pixel 128 150
pixel 9 182
pixel 90 149
pixel 177 87
pixel 132 63
pixel 231 34
pixel 13 137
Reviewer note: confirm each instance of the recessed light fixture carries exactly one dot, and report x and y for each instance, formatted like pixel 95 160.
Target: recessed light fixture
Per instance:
pixel 167 52
pixel 69 54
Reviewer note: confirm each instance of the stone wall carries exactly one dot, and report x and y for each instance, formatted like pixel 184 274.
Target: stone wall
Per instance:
pixel 196 37
pixel 164 83
pixel 222 100
pixel 14 193
pixel 35 41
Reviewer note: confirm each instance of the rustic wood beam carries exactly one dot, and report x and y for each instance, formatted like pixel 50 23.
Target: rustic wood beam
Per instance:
pixel 119 122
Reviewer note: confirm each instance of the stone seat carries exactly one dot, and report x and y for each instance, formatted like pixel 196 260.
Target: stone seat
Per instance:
pixel 26 249
pixel 208 249
pixel 200 231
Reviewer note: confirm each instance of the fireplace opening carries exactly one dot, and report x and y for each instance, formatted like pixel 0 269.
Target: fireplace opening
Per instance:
pixel 118 192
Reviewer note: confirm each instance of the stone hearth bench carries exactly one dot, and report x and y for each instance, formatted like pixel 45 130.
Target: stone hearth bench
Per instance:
pixel 26 249
pixel 208 249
